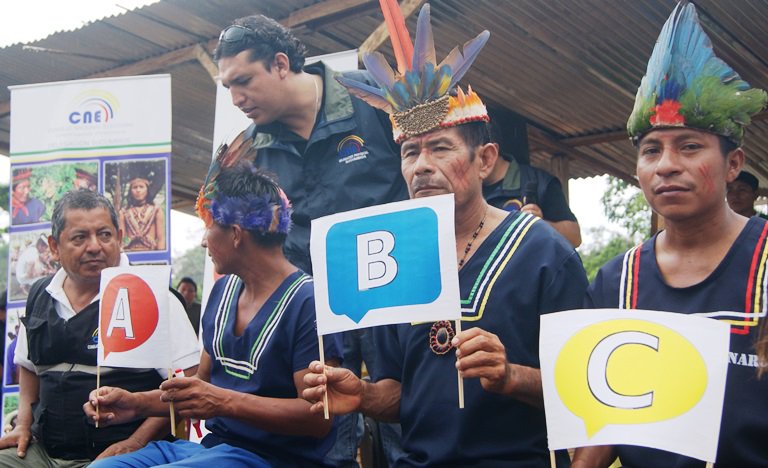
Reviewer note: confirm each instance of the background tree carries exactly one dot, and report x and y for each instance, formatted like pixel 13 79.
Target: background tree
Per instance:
pixel 624 205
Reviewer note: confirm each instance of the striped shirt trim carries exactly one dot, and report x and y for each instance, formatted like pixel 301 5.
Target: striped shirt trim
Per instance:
pixel 474 305
pixel 239 368
pixel 755 297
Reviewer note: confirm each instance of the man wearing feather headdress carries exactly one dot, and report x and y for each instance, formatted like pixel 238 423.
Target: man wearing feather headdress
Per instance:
pixel 688 125
pixel 513 267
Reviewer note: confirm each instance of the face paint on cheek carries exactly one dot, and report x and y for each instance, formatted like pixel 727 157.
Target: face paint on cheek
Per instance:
pixel 459 169
pixel 706 175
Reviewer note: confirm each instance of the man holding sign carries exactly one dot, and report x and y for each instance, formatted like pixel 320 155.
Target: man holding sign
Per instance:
pixel 512 269
pixel 258 334
pixel 57 346
pixel 688 125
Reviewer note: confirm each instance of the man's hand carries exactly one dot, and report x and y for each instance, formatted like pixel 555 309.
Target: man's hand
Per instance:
pixel 118 448
pixel 533 209
pixel 345 389
pixel 481 354
pixel 19 437
pixel 115 406
pixel 194 398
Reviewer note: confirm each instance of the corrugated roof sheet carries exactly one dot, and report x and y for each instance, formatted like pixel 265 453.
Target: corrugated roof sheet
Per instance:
pixel 570 68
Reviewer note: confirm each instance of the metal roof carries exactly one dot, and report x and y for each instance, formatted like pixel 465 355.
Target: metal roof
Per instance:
pixel 569 67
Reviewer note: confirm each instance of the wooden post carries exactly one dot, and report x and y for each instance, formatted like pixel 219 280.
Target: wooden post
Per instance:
pixel 560 169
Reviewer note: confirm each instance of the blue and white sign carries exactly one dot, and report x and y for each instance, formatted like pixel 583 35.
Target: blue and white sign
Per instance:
pixel 393 263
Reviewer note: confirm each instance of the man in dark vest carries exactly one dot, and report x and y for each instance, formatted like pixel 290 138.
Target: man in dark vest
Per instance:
pixel 57 346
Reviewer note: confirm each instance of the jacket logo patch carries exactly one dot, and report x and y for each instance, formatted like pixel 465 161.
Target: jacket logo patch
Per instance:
pixel 350 149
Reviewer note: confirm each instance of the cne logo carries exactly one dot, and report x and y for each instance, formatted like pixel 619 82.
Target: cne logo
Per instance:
pixel 93 106
pixel 351 148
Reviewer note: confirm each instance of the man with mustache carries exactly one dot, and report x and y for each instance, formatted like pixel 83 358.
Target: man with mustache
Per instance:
pixel 513 267
pixel 688 126
pixel 57 346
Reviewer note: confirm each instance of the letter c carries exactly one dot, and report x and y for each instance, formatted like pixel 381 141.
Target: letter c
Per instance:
pixel 597 369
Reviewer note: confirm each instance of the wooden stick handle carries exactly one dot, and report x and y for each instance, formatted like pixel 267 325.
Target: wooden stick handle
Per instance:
pixel 322 361
pixel 458 373
pixel 171 409
pixel 98 386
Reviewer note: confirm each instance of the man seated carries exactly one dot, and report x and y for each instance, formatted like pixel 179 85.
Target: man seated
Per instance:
pixel 259 336
pixel 57 346
pixel 512 269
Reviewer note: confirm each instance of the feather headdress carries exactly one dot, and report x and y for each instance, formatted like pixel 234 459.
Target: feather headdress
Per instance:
pixel 417 95
pixel 686 85
pixel 253 212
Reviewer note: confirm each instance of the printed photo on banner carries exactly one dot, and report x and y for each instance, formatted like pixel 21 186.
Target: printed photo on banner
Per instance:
pixel 30 260
pixel 36 188
pixel 137 190
pixel 634 377
pixel 10 412
pixel 393 263
pixel 12 324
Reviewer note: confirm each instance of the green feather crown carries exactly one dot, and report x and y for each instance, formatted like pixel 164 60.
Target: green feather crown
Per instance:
pixel 686 85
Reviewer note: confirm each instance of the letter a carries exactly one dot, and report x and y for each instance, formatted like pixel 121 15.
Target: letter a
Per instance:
pixel 375 267
pixel 121 314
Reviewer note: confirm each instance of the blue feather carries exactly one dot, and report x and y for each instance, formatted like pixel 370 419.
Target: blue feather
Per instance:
pixel 377 65
pixel 461 58
pixel 373 96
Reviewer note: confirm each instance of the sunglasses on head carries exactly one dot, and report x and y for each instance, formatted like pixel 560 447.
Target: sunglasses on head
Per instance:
pixel 234 33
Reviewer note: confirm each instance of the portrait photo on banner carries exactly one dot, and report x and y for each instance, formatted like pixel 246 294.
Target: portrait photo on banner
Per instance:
pixel 30 259
pixel 35 188
pixel 137 190
pixel 12 323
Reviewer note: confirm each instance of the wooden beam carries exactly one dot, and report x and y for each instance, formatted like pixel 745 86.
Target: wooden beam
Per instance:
pixel 559 167
pixel 321 11
pixel 594 139
pixel 206 61
pixel 551 145
pixel 152 64
pixel 378 36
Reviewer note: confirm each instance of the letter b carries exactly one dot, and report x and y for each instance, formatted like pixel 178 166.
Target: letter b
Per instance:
pixel 375 267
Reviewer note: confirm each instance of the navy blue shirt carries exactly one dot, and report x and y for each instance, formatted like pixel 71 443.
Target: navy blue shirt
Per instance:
pixel 350 161
pixel 522 270
pixel 279 341
pixel 736 285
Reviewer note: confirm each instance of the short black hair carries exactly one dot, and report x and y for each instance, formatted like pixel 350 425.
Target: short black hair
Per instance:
pixel 187 280
pixel 82 199
pixel 245 180
pixel 474 134
pixel 726 145
pixel 266 38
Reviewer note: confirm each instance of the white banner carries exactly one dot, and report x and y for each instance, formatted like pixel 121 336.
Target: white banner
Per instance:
pixel 634 377
pixel 110 135
pixel 393 263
